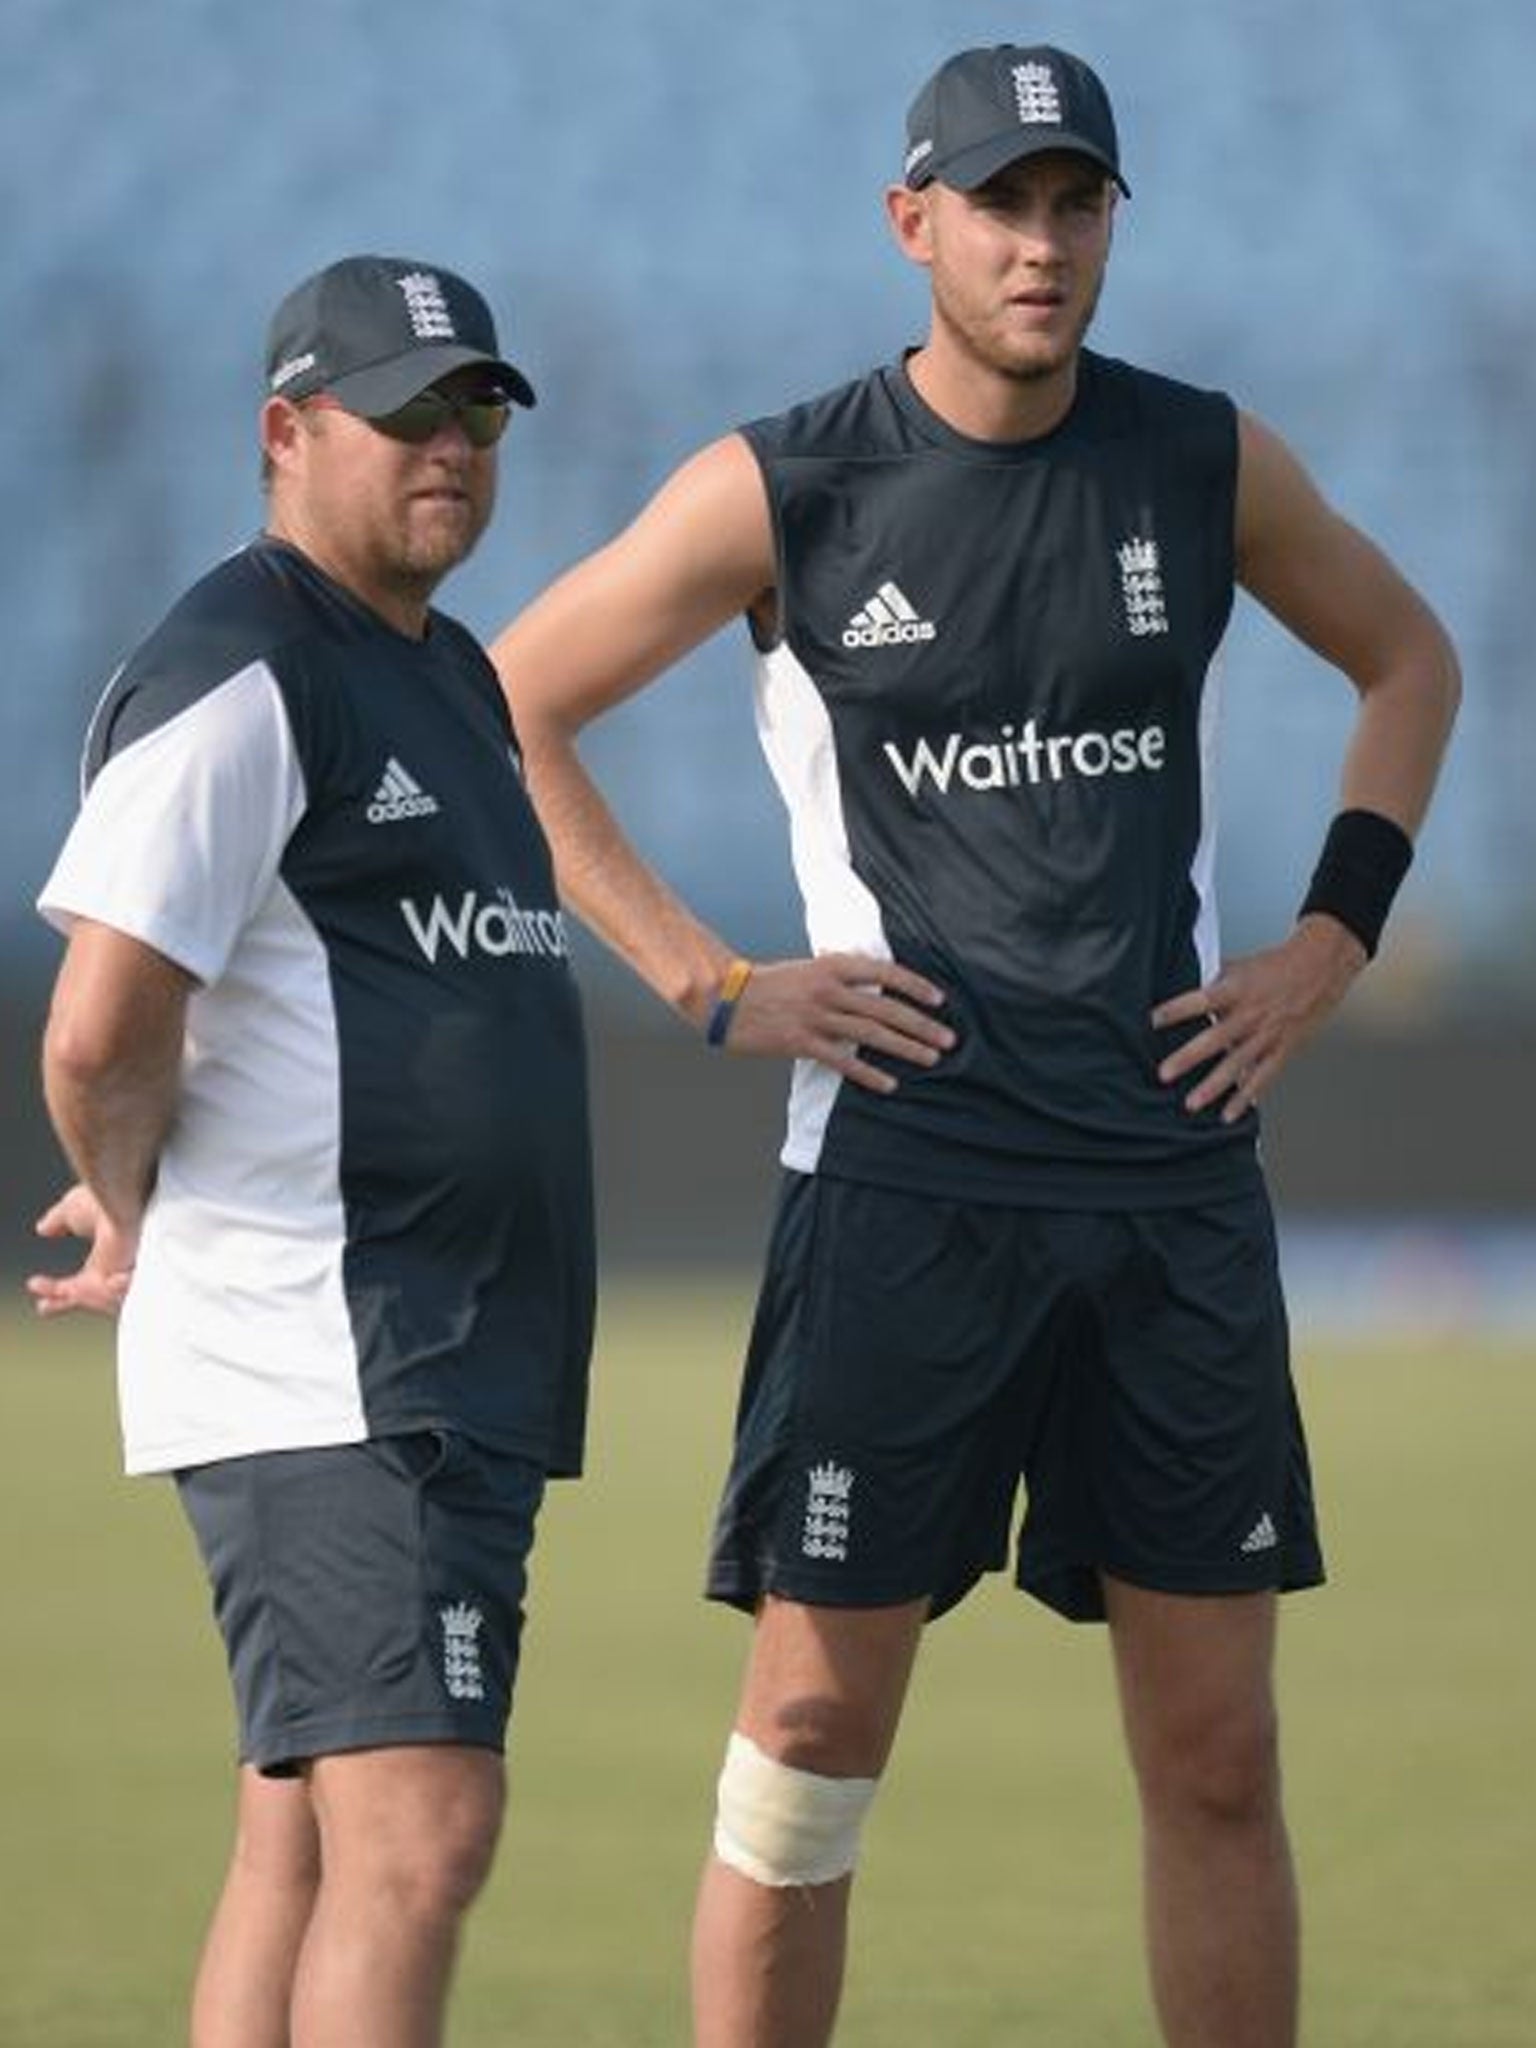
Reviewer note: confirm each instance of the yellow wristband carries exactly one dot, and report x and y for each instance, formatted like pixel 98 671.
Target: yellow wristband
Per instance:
pixel 732 982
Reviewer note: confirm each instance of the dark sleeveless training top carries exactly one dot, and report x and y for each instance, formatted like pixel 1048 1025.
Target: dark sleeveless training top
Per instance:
pixel 991 715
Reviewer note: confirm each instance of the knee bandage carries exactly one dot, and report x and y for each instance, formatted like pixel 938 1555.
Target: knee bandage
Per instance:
pixel 782 1826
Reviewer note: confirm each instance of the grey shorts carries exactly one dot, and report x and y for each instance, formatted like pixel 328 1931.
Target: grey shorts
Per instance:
pixel 368 1594
pixel 916 1362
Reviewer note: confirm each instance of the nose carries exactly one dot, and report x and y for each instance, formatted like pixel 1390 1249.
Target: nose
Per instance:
pixel 449 438
pixel 1038 234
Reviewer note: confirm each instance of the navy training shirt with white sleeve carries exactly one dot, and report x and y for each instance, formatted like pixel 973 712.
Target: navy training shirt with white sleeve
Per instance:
pixel 373 1209
pixel 991 711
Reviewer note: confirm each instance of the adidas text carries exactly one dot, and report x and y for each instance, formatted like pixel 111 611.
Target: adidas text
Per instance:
pixel 889 636
pixel 389 810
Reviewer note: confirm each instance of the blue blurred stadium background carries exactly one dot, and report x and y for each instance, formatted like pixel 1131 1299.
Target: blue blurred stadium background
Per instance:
pixel 676 210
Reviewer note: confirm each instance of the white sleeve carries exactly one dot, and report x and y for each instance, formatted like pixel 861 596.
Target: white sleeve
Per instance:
pixel 179 838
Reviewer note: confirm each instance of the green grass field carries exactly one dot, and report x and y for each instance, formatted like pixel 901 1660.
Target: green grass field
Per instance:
pixel 997 1903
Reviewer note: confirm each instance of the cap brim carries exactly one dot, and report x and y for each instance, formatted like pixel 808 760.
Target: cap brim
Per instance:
pixel 385 387
pixel 969 168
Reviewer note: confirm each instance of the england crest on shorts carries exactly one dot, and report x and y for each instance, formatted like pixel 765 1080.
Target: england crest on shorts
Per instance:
pixel 826 1512
pixel 462 1674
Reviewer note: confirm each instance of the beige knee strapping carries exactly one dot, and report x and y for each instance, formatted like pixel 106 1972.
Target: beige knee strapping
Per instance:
pixel 783 1826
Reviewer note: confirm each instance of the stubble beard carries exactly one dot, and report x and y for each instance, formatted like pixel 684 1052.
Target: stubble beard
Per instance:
pixel 1044 360
pixel 428 550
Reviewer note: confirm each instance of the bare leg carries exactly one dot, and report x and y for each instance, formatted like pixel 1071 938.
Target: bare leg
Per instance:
pixel 245 1977
pixel 1196 1687
pixel 407 1837
pixel 823 1692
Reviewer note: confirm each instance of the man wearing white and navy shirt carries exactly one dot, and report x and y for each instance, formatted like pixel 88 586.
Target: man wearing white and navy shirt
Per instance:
pixel 316 1054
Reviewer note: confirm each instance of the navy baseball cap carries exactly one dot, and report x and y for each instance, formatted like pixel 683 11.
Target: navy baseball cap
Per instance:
pixel 984 109
pixel 374 331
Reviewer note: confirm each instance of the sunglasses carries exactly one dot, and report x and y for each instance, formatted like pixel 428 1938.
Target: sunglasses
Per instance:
pixel 484 420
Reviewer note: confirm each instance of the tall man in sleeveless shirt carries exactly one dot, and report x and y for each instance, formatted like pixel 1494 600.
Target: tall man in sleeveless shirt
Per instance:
pixel 316 1054
pixel 1023 1235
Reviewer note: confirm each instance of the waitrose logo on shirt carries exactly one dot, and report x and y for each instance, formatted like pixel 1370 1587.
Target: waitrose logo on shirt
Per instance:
pixel 496 925
pixel 1021 757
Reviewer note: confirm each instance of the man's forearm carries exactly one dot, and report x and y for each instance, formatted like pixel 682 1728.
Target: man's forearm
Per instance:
pixel 612 890
pixel 112 1126
pixel 1400 736
pixel 112 1064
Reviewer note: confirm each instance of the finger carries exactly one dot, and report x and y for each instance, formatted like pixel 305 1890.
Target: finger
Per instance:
pixel 864 1076
pixel 1211 1088
pixel 895 1027
pixel 1238 1103
pixel 863 970
pixel 54 1222
pixel 1188 1008
pixel 84 1298
pixel 100 1292
pixel 858 1034
pixel 858 1013
pixel 50 1295
pixel 894 1045
pixel 1246 1094
pixel 1235 1076
pixel 1198 1051
pixel 845 1059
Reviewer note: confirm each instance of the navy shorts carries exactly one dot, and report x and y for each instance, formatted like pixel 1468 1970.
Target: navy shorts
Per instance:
pixel 369 1594
pixel 915 1362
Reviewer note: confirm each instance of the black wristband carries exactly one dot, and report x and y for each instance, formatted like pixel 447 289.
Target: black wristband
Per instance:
pixel 1363 862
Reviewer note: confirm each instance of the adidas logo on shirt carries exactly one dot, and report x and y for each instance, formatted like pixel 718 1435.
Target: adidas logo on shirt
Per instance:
pixel 399 796
pixel 888 620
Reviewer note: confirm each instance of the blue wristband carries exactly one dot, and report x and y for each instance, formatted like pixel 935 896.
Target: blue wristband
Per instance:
pixel 732 982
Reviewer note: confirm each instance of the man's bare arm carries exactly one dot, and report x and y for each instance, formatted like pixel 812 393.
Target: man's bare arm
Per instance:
pixel 111 1068
pixel 1337 592
pixel 700 554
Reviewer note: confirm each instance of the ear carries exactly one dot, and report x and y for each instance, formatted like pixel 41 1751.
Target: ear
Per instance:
pixel 280 431
pixel 907 212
